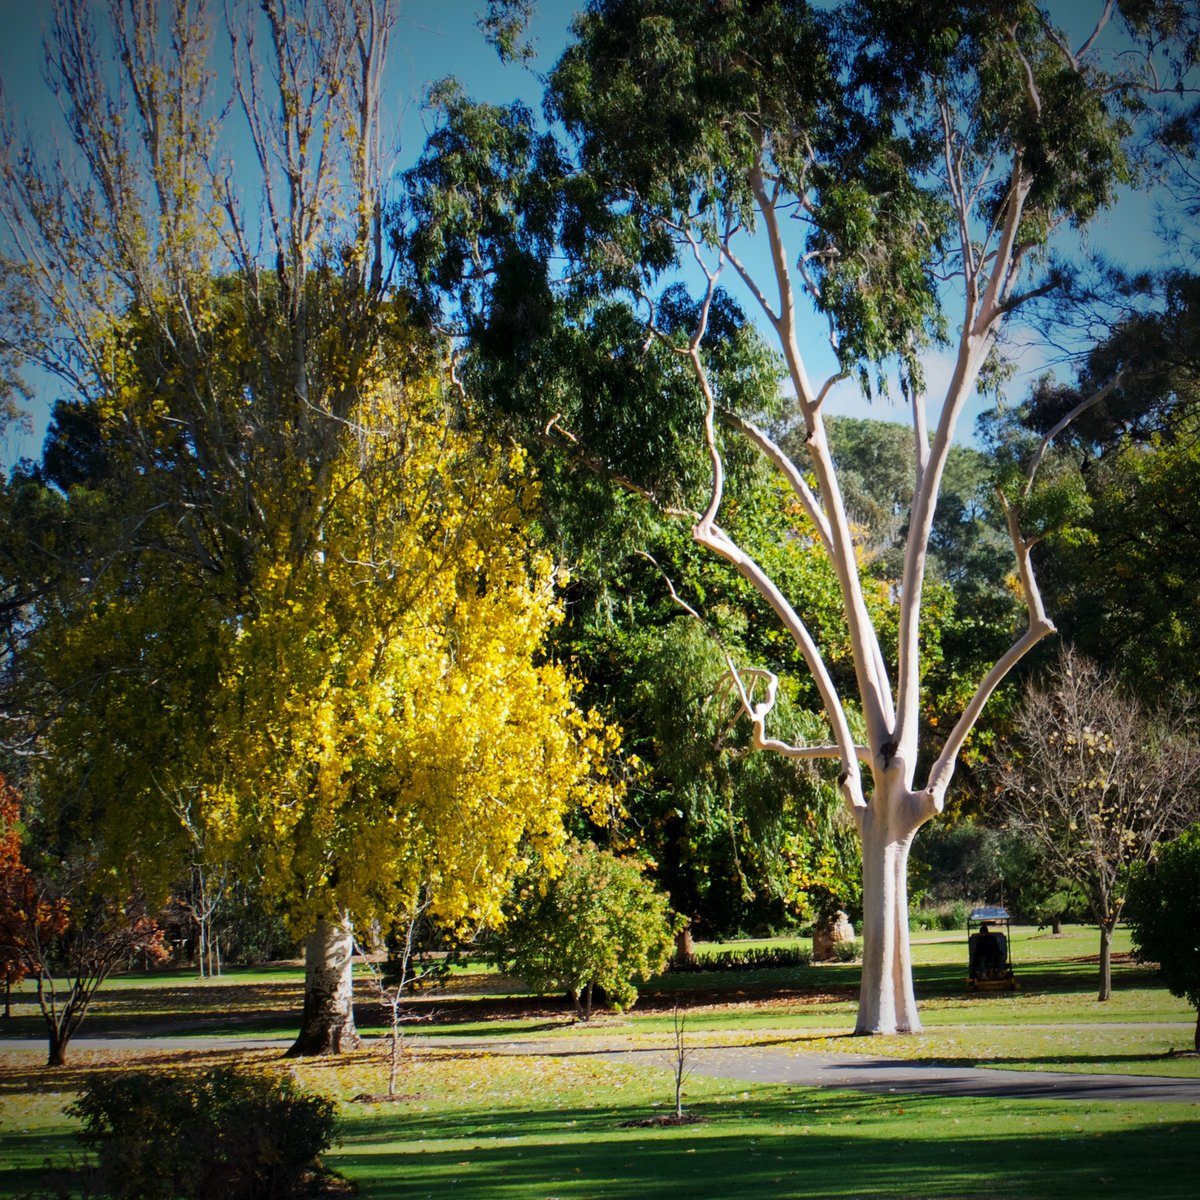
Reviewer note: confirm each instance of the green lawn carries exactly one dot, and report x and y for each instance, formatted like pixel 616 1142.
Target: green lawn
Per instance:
pixel 531 1126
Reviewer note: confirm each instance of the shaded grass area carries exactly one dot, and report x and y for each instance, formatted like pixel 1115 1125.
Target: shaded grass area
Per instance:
pixel 779 1144
pixel 478 1126
pixel 1050 1022
pixel 250 1000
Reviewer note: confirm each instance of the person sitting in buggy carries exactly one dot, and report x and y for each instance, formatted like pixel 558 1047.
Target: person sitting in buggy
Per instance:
pixel 988 954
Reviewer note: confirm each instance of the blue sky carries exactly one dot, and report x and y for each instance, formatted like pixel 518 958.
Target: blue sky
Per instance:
pixel 434 39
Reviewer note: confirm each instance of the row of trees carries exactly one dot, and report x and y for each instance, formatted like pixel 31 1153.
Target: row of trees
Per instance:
pixel 286 588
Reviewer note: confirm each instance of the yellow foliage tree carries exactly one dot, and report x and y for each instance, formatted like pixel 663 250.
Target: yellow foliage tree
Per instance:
pixel 389 724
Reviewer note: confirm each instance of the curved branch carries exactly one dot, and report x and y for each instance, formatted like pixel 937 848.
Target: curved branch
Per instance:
pixel 758 711
pixel 1101 393
pixel 1040 626
pixel 788 469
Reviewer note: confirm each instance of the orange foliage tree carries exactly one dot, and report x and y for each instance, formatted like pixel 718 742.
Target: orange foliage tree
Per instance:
pixel 41 938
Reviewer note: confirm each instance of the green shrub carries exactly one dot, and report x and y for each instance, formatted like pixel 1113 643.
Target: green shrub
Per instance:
pixel 947 915
pixel 847 951
pixel 751 958
pixel 223 1134
pixel 596 927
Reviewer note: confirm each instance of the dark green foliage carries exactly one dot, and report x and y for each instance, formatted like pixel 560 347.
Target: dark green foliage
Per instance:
pixel 671 102
pixel 1123 574
pixel 967 861
pixel 1162 907
pixel 751 958
pixel 223 1134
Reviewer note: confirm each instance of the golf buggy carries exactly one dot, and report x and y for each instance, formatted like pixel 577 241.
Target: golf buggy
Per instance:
pixel 989 934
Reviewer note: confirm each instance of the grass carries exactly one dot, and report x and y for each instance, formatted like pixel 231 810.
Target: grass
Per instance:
pixel 477 1126
pixel 547 1123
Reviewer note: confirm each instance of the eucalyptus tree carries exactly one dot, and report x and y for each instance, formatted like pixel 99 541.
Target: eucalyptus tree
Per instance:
pixel 891 177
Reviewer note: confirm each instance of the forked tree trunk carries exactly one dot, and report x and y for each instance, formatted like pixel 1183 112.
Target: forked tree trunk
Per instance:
pixel 887 1003
pixel 1106 932
pixel 327 1024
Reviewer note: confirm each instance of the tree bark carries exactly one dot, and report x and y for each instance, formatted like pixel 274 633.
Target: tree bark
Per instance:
pixel 1106 932
pixel 887 1002
pixel 57 1056
pixel 1196 1036
pixel 327 1023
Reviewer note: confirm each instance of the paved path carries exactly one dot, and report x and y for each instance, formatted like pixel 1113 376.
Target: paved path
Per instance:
pixel 758 1064
pixel 871 1073
pixel 868 1073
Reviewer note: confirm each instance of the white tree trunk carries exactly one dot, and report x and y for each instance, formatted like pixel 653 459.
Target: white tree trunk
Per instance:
pixel 327 1025
pixel 887 1003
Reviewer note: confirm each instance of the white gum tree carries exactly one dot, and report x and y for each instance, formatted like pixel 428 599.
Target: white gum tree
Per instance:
pixel 894 177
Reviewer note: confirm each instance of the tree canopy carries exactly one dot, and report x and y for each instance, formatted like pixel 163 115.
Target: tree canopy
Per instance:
pixel 895 175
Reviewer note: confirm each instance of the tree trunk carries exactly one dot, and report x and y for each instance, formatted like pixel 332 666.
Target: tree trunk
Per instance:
pixel 1196 1035
pixel 57 1056
pixel 1106 932
pixel 394 1055
pixel 887 1003
pixel 327 1024
pixel 1056 926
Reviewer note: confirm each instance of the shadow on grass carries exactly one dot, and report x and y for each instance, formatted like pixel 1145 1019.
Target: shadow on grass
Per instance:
pixel 1072 977
pixel 215 1008
pixel 783 1144
pixel 71 1079
pixel 36 1164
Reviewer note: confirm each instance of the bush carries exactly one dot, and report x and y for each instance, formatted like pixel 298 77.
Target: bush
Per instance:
pixel 597 927
pixel 847 951
pixel 1163 913
pixel 224 1134
pixel 751 958
pixel 948 915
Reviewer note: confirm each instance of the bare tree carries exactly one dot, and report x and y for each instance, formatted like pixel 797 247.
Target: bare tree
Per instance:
pixel 1097 782
pixel 207 880
pixel 393 978
pixel 681 1056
